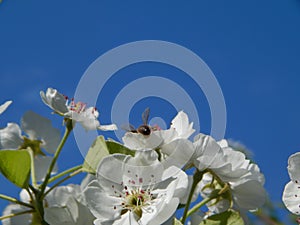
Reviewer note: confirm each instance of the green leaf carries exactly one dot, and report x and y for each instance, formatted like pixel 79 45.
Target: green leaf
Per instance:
pixel 115 147
pixel 229 217
pixel 15 166
pixel 177 222
pixel 97 151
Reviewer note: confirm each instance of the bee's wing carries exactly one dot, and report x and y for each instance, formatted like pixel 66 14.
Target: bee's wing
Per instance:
pixel 145 115
pixel 128 127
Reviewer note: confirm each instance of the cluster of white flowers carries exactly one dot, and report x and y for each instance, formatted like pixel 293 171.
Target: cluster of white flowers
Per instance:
pixel 164 171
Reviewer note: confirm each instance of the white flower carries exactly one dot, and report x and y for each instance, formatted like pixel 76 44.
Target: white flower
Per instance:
pixel 4 106
pixel 244 179
pixel 41 135
pixel 79 112
pixel 291 193
pixel 172 144
pixel 66 205
pixel 126 192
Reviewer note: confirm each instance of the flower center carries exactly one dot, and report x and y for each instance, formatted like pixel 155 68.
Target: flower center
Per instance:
pixel 33 144
pixel 77 107
pixel 135 199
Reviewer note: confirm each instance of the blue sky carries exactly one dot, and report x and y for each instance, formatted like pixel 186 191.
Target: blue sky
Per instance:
pixel 252 47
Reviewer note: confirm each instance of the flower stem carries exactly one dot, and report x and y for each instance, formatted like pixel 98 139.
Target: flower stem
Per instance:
pixel 16 214
pixel 69 127
pixel 31 190
pixel 5 197
pixel 54 178
pixel 63 180
pixel 38 217
pixel 33 178
pixel 199 205
pixel 196 178
pixel 214 195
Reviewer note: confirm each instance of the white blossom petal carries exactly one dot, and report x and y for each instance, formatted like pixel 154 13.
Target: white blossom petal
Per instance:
pixel 178 152
pixel 127 218
pixel 136 141
pixel 88 179
pixel 4 106
pixel 41 165
pixel 182 187
pixel 182 126
pixel 105 170
pixel 237 165
pixel 249 195
pixel 10 137
pixel 291 197
pixel 168 210
pixel 144 158
pixel 90 124
pixel 208 153
pixel 40 128
pixel 223 143
pixel 294 167
pixel 55 100
pixel 60 196
pixel 184 199
pixel 167 135
pixel 108 127
pixel 56 215
pixel 101 204
pixel 24 196
pixel 135 170
pixel 24 219
pixel 87 118
pixel 254 174
pixel 66 205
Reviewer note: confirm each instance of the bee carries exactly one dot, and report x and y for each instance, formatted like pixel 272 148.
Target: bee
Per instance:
pixel 143 129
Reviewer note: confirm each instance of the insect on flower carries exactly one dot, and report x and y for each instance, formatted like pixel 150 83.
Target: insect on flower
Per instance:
pixel 144 129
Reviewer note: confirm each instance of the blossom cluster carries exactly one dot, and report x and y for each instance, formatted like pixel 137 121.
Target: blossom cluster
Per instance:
pixel 143 181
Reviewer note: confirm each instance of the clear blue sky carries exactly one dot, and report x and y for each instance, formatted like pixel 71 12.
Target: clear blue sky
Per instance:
pixel 252 47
